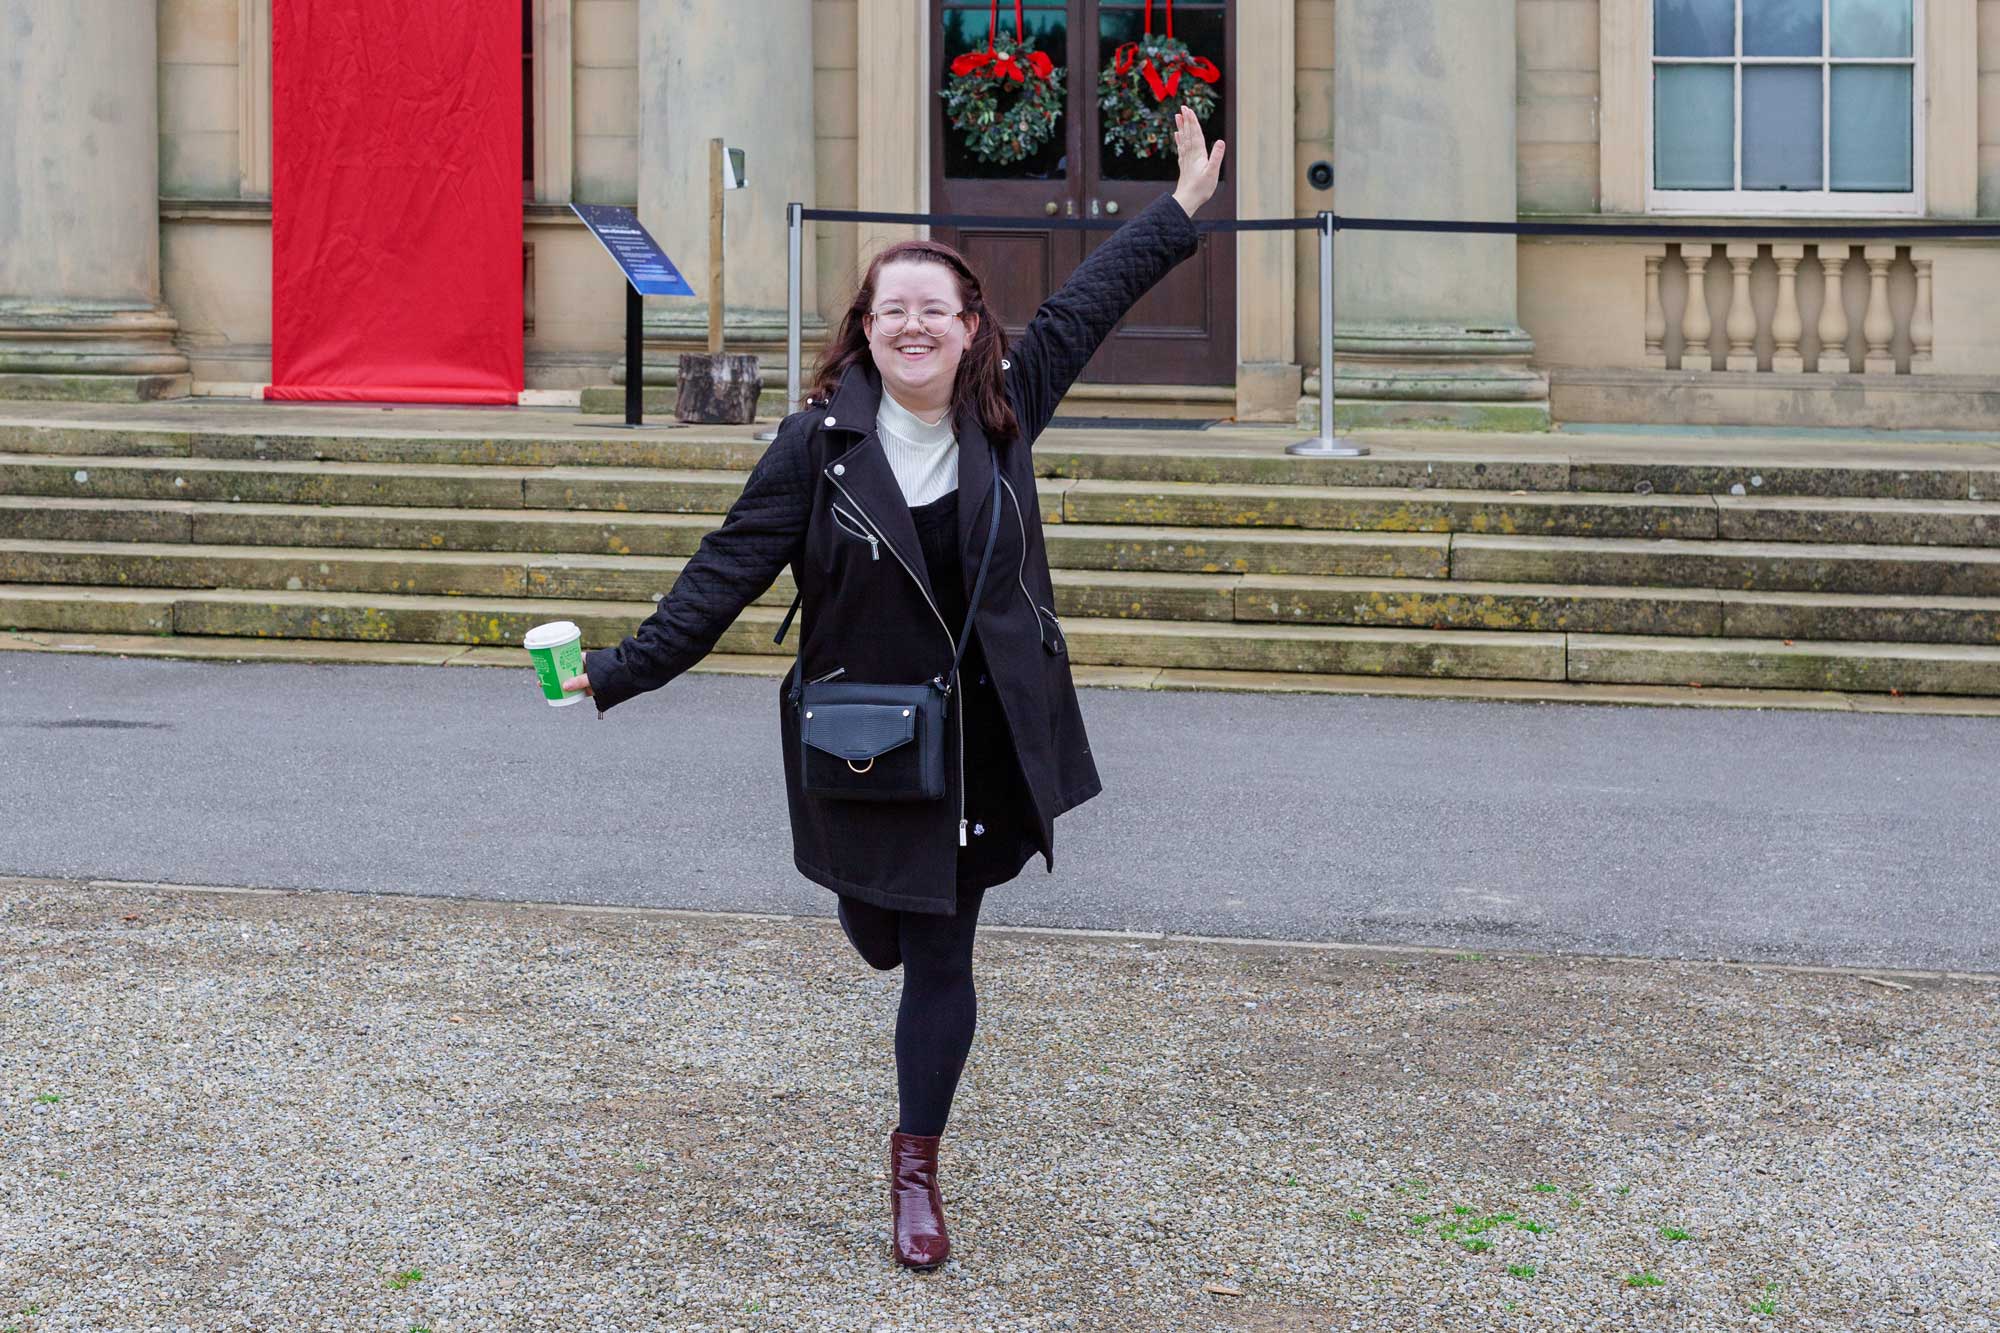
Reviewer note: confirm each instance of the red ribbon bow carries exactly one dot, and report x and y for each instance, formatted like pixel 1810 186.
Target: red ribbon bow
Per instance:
pixel 1164 83
pixel 999 66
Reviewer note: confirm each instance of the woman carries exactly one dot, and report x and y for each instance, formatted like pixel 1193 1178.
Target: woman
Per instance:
pixel 880 499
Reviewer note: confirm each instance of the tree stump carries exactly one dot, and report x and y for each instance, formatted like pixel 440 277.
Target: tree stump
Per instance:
pixel 718 388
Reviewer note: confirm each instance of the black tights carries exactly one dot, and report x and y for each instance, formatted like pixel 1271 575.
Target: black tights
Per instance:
pixel 939 1011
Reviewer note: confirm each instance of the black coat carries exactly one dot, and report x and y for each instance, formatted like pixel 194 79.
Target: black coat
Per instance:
pixel 869 611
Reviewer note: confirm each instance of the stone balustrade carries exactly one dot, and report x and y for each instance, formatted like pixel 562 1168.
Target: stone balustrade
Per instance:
pixel 1760 306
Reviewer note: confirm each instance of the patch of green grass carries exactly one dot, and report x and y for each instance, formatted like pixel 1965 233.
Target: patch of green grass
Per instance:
pixel 1460 1210
pixel 1470 957
pixel 1622 1191
pixel 1420 1220
pixel 1522 1271
pixel 1475 1245
pixel 1356 1215
pixel 1530 1226
pixel 1543 1187
pixel 47 1098
pixel 1644 1280
pixel 1674 1233
pixel 1413 1186
pixel 1763 1307
pixel 406 1278
pixel 1291 1180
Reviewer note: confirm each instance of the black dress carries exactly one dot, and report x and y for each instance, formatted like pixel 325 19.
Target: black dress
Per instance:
pixel 1000 822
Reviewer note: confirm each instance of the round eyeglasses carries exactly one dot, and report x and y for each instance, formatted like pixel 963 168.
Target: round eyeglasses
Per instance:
pixel 891 320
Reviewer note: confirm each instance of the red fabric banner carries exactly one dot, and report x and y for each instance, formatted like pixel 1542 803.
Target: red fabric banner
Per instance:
pixel 396 200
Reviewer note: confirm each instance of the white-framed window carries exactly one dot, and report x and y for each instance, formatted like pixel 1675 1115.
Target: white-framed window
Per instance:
pixel 1786 106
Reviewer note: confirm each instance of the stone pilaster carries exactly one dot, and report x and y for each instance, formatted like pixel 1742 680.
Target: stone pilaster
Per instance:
pixel 1427 325
pixel 80 308
pixel 741 71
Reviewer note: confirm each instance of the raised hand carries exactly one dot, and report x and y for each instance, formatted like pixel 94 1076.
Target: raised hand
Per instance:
pixel 1201 166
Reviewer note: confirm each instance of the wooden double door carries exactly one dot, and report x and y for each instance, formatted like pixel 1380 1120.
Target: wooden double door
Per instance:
pixel 1184 330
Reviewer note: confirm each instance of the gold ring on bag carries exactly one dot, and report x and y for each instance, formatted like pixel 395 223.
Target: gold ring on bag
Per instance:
pixel 871 764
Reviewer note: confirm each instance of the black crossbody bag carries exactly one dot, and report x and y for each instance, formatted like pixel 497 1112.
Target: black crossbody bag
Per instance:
pixel 861 742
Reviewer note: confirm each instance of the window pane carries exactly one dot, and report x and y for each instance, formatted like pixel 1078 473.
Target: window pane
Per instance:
pixel 1781 127
pixel 968 30
pixel 1872 144
pixel 1872 27
pixel 1204 29
pixel 1694 27
pixel 1781 27
pixel 1694 127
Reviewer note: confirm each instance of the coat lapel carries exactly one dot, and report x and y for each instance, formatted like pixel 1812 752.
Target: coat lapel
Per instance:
pixel 864 469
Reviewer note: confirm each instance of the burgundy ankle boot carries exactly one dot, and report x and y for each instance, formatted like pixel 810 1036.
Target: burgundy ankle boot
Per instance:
pixel 916 1210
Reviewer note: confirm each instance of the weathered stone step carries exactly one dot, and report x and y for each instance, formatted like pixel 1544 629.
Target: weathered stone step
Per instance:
pixel 1928 571
pixel 1449 604
pixel 408 619
pixel 1907 668
pixel 1572 461
pixel 396 527
pixel 415 484
pixel 167 565
pixel 1699 612
pixel 1320 649
pixel 1898 522
pixel 1953 669
pixel 1374 509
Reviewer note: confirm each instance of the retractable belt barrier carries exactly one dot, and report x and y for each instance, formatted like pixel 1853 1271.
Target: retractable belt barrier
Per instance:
pixel 1326 444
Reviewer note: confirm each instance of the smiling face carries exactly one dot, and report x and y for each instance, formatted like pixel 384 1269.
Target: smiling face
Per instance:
pixel 918 366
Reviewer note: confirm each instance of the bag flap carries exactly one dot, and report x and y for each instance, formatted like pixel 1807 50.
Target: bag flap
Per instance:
pixel 858 731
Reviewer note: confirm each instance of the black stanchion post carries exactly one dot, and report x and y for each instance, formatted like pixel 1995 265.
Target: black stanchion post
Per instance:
pixel 635 356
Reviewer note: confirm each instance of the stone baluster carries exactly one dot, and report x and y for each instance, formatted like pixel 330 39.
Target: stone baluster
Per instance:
pixel 1922 328
pixel 1656 313
pixel 1879 327
pixel 1787 323
pixel 1696 322
pixel 1833 357
pixel 1741 325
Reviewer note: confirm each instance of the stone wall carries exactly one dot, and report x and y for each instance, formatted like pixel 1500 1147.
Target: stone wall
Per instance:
pixel 198 99
pixel 835 153
pixel 1989 108
pixel 1557 163
pixel 606 35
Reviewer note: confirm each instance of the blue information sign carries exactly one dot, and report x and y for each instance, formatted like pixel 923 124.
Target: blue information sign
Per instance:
pixel 646 265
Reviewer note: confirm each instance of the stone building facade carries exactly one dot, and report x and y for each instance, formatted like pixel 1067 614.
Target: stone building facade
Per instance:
pixel 135 207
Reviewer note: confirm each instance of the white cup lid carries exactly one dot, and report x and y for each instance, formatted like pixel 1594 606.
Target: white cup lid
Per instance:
pixel 548 636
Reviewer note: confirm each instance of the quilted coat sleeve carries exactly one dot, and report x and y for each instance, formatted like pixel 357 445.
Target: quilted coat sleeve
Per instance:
pixel 1065 333
pixel 763 532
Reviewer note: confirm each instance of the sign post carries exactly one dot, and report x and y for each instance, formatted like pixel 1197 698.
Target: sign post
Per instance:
pixel 648 272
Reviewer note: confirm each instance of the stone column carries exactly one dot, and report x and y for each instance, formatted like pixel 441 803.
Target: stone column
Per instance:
pixel 741 71
pixel 1427 326
pixel 80 309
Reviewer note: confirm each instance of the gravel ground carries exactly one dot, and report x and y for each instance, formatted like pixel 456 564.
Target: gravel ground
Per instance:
pixel 257 1111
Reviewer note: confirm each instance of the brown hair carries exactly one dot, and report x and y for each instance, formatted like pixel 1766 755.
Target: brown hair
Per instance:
pixel 980 386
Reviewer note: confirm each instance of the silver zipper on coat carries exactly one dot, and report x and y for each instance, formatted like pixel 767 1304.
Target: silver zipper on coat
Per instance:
pixel 1021 574
pixel 957 718
pixel 842 519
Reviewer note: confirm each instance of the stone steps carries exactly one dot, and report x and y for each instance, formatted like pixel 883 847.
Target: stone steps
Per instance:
pixel 1572 462
pixel 1866 569
pixel 1789 519
pixel 1382 603
pixel 1906 668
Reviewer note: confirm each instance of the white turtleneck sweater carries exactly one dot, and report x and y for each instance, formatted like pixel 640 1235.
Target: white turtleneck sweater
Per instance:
pixel 923 456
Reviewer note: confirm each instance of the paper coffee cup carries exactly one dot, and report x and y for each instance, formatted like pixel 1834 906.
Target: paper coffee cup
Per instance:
pixel 557 652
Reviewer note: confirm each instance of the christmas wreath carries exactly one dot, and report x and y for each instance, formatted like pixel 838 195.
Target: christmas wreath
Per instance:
pixel 1145 86
pixel 1013 130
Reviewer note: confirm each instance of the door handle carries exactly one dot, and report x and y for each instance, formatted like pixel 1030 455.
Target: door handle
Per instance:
pixel 1051 208
pixel 1111 207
